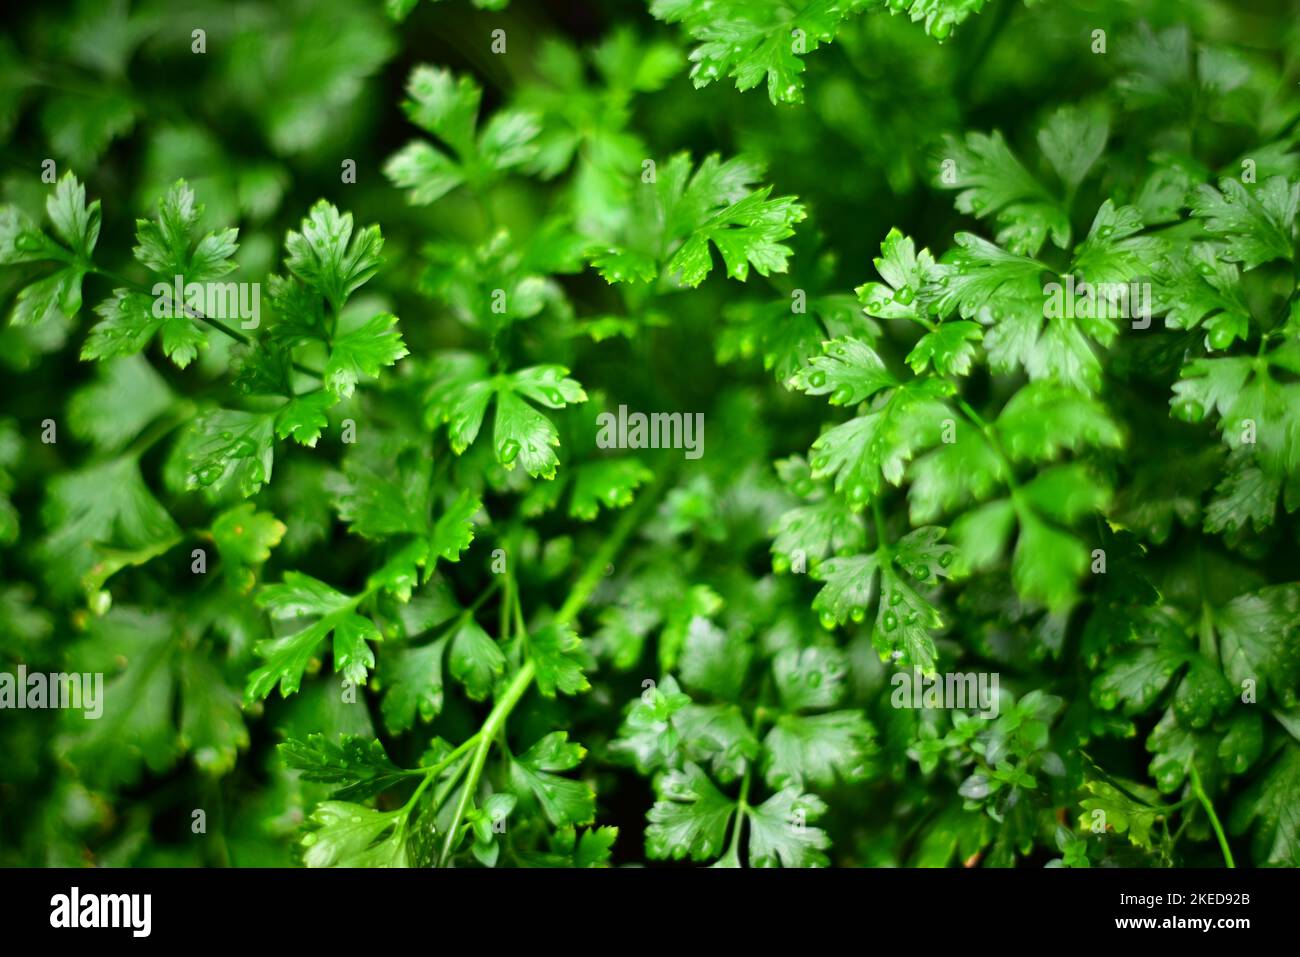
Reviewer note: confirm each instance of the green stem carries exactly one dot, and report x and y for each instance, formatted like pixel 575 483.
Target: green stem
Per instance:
pixel 1204 798
pixel 494 723
pixel 595 569
pixel 979 52
pixel 742 804
pixel 431 773
pixel 182 412
pixel 194 314
pixel 991 437
pixel 882 539
pixel 1209 645
pixel 505 703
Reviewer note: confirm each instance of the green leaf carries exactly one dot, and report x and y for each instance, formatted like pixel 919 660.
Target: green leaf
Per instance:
pixel 850 370
pixel 245 537
pixel 817 749
pixel 326 255
pixel 230 449
pixel 125 397
pixel 557 654
pixel 411 679
pixel 809 678
pixel 126 326
pixel 611 483
pixel 476 661
pixel 1258 225
pixel 1123 813
pixel 363 352
pixel 781 835
pixel 1136 679
pixel 75 223
pixel 448 107
pixel 462 390
pixel 714 662
pixel 907 274
pixel 878 445
pixel 103 506
pixel 756 44
pixel 303 417
pixel 1072 140
pixel 689 817
pixel 1042 420
pixel 355 766
pixel 563 800
pixel 135 730
pixel 676 209
pixel 212 725
pixel 287 657
pixel 949 348
pixel 849 590
pixel 454 530
pixel 1269 806
pixel 167 246
pixel 992 182
pixel 350 835
pixel 1257 641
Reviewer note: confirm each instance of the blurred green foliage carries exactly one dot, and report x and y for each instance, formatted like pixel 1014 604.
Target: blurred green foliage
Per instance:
pixel 368 589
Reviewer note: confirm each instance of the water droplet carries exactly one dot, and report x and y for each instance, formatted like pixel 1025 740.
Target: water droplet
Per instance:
pixel 890 621
pixel 814 679
pixel 508 451
pixel 858 614
pixel 945 559
pixel 905 295
pixel 827 620
pixel 841 395
pixel 895 597
pixel 921 572
pixel 817 379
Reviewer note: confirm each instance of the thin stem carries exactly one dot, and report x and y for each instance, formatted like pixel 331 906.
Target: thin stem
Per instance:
pixel 196 315
pixel 1208 642
pixel 882 539
pixel 484 596
pixel 496 720
pixel 1204 798
pixel 991 437
pixel 604 556
pixel 981 51
pixel 742 804
pixel 182 413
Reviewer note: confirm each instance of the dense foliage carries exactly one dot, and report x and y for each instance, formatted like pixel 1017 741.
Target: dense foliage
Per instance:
pixel 368 585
